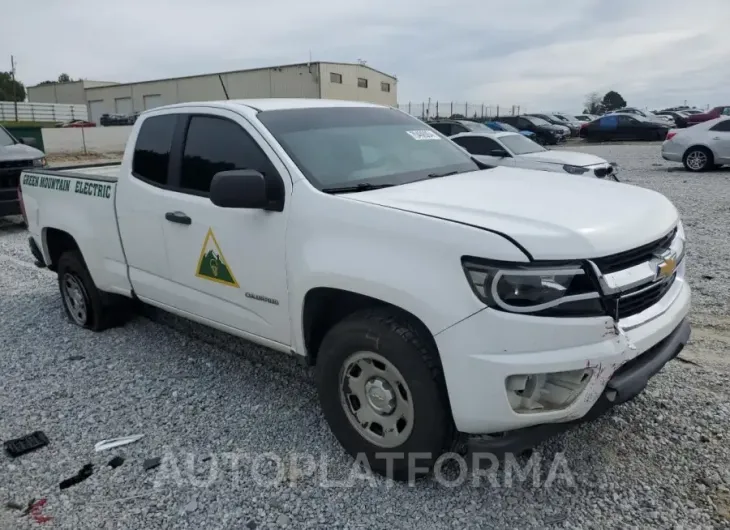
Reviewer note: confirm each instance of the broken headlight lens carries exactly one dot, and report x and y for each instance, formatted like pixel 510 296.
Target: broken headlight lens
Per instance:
pixel 574 170
pixel 561 290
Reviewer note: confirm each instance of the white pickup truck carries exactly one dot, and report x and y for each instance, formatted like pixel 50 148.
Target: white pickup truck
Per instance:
pixel 435 297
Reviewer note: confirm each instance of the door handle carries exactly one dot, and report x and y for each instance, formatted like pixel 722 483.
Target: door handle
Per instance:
pixel 178 217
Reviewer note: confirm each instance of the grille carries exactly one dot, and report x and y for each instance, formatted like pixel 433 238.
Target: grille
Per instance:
pixel 9 180
pixel 624 260
pixel 15 164
pixel 636 301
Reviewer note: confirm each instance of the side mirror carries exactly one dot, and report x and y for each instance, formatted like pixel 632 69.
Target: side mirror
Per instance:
pixel 29 141
pixel 239 188
pixel 499 153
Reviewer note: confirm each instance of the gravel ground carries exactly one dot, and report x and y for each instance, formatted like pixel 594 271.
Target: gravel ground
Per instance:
pixel 210 407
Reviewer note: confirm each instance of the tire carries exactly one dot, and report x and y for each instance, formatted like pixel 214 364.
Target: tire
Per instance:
pixel 84 304
pixel 389 339
pixel 697 159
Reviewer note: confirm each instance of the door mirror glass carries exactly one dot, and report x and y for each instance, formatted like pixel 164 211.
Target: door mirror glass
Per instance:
pixel 239 188
pixel 500 153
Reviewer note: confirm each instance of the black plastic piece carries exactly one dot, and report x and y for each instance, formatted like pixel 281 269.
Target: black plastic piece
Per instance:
pixel 151 463
pixel 116 462
pixel 26 444
pixel 82 475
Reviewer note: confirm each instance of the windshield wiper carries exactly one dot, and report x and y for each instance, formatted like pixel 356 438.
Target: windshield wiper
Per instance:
pixel 363 186
pixel 439 175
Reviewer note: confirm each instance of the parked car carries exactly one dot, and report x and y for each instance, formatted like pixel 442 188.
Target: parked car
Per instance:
pixel 16 154
pixel 76 123
pixel 665 120
pixel 545 133
pixel 722 110
pixel 434 299
pixel 514 150
pixel 108 120
pixel 586 117
pixel 680 117
pixel 557 122
pixel 449 127
pixel 506 127
pixel 623 127
pixel 700 147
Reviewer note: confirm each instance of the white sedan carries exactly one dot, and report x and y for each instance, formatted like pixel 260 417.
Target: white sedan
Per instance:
pixel 515 150
pixel 701 147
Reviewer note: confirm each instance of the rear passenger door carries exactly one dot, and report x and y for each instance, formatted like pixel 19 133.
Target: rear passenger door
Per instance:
pixel 229 265
pixel 140 215
pixel 720 141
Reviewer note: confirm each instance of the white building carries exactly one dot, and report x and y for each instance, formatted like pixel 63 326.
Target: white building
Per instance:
pixel 356 82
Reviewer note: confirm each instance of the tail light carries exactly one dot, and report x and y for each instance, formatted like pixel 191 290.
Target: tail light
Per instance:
pixel 22 206
pixel 671 134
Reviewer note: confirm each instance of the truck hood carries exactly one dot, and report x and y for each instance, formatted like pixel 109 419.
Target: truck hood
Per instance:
pixel 551 215
pixel 573 158
pixel 19 152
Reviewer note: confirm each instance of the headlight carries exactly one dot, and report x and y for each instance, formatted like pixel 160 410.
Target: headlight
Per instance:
pixel 39 162
pixel 574 170
pixel 560 291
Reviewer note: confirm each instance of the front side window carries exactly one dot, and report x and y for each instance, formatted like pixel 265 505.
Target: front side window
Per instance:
pixel 347 146
pixel 521 145
pixel 151 158
pixel 216 144
pixel 478 145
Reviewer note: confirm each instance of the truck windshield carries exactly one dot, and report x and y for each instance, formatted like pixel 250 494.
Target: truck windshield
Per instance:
pixel 338 147
pixel 5 138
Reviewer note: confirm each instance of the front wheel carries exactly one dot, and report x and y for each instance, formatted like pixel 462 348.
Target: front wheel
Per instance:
pixel 382 391
pixel 698 159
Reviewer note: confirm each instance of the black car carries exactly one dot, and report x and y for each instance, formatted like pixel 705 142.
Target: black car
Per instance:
pixel 452 127
pixel 554 120
pixel 679 119
pixel 623 127
pixel 545 133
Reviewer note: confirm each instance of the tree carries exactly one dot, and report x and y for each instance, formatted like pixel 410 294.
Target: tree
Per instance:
pixel 593 104
pixel 613 101
pixel 64 78
pixel 11 90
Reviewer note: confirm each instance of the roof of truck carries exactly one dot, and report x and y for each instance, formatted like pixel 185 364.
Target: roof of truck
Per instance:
pixel 264 104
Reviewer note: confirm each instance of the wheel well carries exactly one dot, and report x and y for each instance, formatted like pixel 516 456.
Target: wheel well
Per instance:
pixel 58 242
pixel 324 307
pixel 698 146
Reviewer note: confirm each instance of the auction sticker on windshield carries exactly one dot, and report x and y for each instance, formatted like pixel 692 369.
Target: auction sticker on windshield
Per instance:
pixel 424 134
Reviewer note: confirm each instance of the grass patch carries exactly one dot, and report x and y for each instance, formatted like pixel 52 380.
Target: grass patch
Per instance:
pixel 13 124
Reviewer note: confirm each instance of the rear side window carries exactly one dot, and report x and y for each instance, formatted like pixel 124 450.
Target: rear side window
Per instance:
pixel 216 144
pixel 723 126
pixel 477 145
pixel 152 150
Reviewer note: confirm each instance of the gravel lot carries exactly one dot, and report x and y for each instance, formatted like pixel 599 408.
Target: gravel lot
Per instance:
pixel 210 406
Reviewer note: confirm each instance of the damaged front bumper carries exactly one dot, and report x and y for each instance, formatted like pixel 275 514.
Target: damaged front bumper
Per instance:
pixel 625 384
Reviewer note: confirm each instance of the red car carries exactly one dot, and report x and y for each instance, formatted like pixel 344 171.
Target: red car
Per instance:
pixel 722 110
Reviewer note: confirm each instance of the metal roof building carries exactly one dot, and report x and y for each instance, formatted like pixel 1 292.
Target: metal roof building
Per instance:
pixel 357 82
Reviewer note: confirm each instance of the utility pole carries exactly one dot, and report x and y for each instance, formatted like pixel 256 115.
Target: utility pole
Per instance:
pixel 12 76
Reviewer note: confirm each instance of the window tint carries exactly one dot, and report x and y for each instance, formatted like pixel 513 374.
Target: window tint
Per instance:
pixel 723 126
pixel 152 150
pixel 216 144
pixel 443 128
pixel 477 145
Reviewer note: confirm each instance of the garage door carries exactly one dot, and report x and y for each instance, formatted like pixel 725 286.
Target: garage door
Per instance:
pixel 96 109
pixel 151 101
pixel 123 106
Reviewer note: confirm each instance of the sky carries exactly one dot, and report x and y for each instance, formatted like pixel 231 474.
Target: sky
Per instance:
pixel 543 55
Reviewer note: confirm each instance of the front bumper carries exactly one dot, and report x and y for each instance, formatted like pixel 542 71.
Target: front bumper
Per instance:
pixel 482 351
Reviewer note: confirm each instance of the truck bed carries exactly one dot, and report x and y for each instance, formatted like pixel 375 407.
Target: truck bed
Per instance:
pixel 108 172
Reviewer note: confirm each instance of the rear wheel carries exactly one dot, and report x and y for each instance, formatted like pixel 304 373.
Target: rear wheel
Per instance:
pixel 698 159
pixel 84 304
pixel 382 391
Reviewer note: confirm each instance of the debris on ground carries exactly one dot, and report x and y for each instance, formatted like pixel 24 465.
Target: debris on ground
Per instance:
pixel 10 505
pixel 116 462
pixel 151 463
pixel 26 444
pixel 76 358
pixel 116 442
pixel 34 509
pixel 82 475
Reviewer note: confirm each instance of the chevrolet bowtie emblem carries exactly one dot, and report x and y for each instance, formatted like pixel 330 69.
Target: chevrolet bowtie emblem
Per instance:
pixel 666 268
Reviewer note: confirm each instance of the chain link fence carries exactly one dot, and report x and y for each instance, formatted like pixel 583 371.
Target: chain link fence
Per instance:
pixel 457 110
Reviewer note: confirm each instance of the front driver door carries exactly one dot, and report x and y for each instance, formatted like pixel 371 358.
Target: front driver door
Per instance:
pixel 229 263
